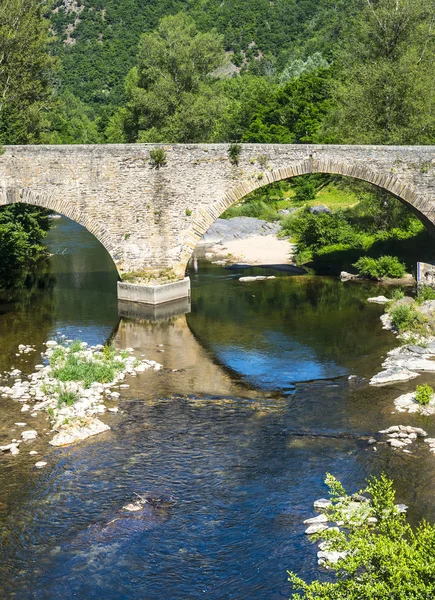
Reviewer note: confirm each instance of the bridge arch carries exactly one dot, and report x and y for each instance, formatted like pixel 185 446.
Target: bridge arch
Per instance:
pixel 63 207
pixel 205 217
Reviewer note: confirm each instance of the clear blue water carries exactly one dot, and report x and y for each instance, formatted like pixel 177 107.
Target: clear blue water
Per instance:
pixel 259 408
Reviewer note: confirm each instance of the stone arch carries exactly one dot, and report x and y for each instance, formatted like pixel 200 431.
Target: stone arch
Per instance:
pixel 205 217
pixel 64 207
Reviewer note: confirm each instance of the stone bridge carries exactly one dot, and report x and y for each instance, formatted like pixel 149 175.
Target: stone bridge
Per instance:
pixel 151 218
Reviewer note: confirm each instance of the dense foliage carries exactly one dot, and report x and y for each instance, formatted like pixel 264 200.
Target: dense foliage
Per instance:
pixel 170 93
pixel 379 268
pixel 22 228
pixel 383 557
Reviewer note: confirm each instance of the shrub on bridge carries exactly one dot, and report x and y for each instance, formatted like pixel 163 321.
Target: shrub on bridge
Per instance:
pixel 158 157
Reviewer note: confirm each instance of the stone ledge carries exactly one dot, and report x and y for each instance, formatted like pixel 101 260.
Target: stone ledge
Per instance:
pixel 154 294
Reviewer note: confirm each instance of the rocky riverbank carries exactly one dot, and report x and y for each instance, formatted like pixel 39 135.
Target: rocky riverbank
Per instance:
pixel 71 387
pixel 417 354
pixel 248 240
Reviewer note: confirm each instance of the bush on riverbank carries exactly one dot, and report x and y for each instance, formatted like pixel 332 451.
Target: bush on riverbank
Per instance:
pixel 378 268
pixel 405 317
pixel 383 557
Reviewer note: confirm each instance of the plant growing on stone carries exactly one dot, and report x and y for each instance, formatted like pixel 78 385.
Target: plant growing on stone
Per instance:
pixel 397 294
pixel 382 557
pixel 234 152
pixel 66 397
pixel 406 318
pixel 423 394
pixel 425 292
pixel 158 157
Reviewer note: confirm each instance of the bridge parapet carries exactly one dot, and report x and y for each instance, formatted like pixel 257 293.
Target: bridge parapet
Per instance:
pixel 150 219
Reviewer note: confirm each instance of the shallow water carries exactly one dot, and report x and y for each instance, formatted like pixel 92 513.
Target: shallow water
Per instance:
pixel 252 408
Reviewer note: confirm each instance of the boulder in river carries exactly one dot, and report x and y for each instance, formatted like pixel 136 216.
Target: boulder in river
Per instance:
pixel 81 430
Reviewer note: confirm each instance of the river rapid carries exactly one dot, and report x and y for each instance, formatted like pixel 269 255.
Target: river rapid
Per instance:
pixel 264 389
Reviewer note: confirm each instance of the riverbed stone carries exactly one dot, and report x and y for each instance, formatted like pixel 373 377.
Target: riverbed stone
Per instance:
pixel 319 519
pixel 322 504
pixel 394 443
pixel 393 375
pixel 315 528
pixel 378 300
pixel 28 435
pixel 69 434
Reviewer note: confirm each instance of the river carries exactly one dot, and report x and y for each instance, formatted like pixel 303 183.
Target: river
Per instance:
pixel 264 389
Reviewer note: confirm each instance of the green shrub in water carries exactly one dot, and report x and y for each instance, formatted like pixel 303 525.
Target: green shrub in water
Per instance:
pixel 423 394
pixel 384 266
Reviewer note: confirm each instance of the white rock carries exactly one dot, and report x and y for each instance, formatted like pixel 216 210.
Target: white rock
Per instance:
pixel 378 299
pixel 39 367
pixel 392 429
pixel 75 432
pixel 32 452
pixel 30 434
pixel 51 343
pixel 330 556
pixel 318 519
pixel 392 375
pixel 40 464
pixel 114 409
pixel 20 424
pixel 322 504
pixel 315 528
pixel 396 443
pixel 132 507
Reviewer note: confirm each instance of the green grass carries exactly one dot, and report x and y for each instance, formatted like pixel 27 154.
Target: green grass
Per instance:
pixel 76 369
pixel 67 398
pixel 72 367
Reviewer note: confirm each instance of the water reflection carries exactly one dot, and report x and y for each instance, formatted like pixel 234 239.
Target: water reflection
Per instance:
pixel 214 428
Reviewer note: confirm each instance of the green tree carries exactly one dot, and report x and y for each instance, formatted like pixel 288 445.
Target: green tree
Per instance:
pixel 70 122
pixel 26 70
pixel 22 228
pixel 386 90
pixel 295 113
pixel 171 96
pixel 383 557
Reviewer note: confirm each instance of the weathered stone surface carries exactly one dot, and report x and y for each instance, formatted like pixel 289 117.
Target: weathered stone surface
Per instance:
pixel 378 300
pixel 319 519
pixel 315 528
pixel 392 375
pixel 152 219
pixel 69 435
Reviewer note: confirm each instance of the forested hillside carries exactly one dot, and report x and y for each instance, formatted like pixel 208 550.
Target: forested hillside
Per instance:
pixel 288 71
pixel 97 40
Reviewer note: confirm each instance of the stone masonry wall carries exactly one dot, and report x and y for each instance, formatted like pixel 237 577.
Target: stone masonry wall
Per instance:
pixel 151 219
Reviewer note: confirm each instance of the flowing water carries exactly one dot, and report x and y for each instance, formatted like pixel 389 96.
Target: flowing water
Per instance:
pixel 264 389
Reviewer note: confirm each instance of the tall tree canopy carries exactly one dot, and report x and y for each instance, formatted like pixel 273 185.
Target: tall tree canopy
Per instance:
pixel 25 70
pixel 386 89
pixel 170 93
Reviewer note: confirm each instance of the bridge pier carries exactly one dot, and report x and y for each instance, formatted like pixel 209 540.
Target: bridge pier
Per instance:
pixel 154 294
